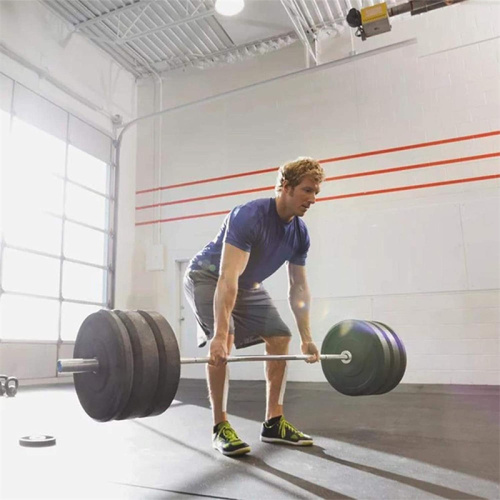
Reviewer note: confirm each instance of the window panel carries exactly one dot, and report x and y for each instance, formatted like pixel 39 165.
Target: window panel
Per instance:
pixel 33 231
pixel 32 161
pixel 72 318
pixel 40 112
pixel 87 170
pixel 4 159
pixel 83 282
pixel 85 206
pixel 37 151
pixel 29 273
pixel 6 90
pixel 34 192
pixel 28 318
pixel 4 130
pixel 82 243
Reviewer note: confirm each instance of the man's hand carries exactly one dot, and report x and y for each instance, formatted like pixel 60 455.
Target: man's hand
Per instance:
pixel 310 348
pixel 218 351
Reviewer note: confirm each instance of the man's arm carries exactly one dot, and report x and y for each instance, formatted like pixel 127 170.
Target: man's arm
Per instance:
pixel 299 298
pixel 233 263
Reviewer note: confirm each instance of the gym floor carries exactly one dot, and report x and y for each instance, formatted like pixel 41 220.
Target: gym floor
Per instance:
pixel 415 442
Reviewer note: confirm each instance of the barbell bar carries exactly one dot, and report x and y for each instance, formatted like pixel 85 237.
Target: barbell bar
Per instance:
pixel 92 365
pixel 127 363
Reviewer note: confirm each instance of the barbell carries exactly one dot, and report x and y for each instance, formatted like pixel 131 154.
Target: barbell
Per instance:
pixel 127 363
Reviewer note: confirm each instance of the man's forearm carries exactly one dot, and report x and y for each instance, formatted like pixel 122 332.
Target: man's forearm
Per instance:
pixel 300 302
pixel 224 300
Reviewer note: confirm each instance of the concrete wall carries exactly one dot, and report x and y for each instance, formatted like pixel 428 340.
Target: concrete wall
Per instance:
pixel 38 50
pixel 424 260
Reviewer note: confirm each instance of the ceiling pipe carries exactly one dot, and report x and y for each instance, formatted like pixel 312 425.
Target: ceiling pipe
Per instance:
pixel 420 6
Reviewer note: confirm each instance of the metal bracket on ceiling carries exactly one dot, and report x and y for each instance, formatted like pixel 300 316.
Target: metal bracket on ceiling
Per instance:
pixel 302 28
pixel 138 16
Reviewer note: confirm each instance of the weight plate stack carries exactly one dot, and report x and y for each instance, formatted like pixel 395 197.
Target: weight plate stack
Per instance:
pixel 371 358
pixel 105 393
pixel 170 362
pixel 145 362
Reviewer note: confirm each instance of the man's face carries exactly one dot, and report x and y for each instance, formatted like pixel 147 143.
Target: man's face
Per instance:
pixel 302 196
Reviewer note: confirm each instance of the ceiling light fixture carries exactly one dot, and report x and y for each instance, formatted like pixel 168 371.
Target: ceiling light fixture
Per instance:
pixel 229 7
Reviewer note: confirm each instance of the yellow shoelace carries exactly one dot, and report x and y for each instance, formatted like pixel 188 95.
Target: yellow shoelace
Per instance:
pixel 230 434
pixel 284 425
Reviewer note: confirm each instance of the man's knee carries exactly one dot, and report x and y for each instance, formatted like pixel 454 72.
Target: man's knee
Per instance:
pixel 277 345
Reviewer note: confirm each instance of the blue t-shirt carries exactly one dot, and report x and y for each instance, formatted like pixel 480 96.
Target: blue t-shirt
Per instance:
pixel 257 228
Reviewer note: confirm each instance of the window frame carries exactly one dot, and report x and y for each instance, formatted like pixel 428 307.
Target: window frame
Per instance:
pixel 109 263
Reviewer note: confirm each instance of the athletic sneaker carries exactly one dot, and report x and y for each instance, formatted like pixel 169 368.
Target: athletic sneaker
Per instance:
pixel 227 441
pixel 279 430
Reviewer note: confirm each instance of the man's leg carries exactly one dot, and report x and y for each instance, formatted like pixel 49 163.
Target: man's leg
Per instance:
pixel 200 289
pixel 224 436
pixel 275 376
pixel 276 429
pixel 218 386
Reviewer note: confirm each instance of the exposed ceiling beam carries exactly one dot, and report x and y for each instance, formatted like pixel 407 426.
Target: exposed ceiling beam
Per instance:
pixel 113 13
pixel 184 20
pixel 299 24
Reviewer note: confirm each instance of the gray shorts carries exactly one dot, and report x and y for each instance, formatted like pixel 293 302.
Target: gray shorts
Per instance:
pixel 254 315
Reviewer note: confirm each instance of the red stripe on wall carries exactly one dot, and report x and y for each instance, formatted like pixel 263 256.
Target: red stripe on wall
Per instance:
pixel 408 188
pixel 335 178
pixel 415 166
pixel 329 160
pixel 341 196
pixel 211 179
pixel 414 146
pixel 184 217
pixel 208 197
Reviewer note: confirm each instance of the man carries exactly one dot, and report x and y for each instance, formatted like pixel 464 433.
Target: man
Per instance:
pixel 223 286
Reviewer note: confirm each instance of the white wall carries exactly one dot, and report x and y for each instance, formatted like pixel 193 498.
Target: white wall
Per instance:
pixel 424 261
pixel 38 51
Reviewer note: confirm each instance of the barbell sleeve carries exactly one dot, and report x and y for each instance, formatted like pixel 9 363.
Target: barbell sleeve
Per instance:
pixel 80 365
pixel 77 365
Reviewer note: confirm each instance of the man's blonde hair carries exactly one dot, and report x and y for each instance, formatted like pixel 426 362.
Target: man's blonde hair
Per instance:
pixel 293 172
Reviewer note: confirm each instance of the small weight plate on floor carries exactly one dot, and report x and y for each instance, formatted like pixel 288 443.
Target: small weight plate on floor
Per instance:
pixel 370 362
pixel 170 363
pixel 37 441
pixel 401 352
pixel 104 394
pixel 146 365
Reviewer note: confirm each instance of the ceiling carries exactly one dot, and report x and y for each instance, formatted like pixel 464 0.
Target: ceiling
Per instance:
pixel 154 36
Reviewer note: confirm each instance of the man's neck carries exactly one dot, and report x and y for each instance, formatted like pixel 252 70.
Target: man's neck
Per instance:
pixel 283 214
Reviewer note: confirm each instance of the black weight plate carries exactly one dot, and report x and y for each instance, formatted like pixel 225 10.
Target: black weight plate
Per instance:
pixel 103 395
pixel 370 362
pixel 170 363
pixel 37 441
pixel 395 357
pixel 398 375
pixel 146 365
pixel 387 340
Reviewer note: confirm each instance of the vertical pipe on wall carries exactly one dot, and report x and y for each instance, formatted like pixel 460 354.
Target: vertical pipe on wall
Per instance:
pixel 158 146
pixel 63 230
pixel 114 185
